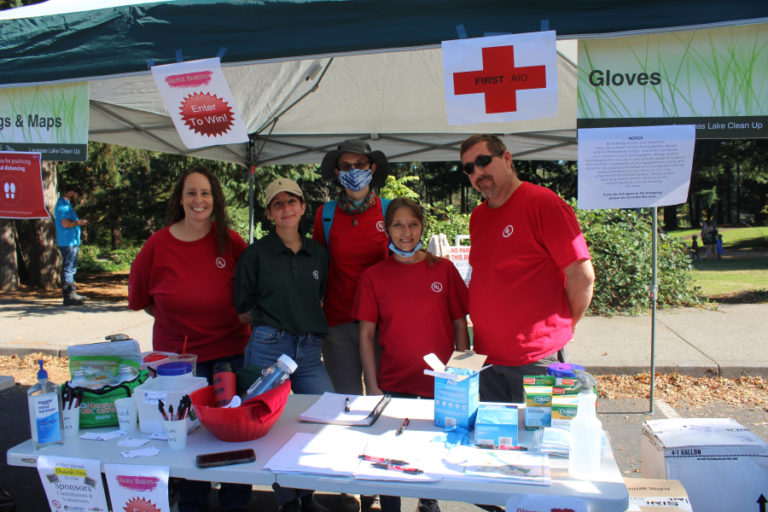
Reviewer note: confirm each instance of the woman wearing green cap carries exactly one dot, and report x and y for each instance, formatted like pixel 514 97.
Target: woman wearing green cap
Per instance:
pixel 279 285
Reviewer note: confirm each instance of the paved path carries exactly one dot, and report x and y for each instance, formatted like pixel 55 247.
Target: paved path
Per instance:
pixel 729 341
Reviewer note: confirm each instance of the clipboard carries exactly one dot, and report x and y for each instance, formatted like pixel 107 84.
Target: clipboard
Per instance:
pixel 330 409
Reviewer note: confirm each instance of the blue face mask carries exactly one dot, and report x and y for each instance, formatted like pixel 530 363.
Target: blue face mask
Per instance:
pixel 404 254
pixel 355 179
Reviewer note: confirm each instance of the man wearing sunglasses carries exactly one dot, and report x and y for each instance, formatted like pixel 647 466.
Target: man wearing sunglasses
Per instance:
pixel 532 276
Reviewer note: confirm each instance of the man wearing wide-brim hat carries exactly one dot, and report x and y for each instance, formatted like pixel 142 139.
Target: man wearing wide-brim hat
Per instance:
pixel 352 229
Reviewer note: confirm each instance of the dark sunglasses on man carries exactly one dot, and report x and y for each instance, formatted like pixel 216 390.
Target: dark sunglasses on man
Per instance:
pixel 481 161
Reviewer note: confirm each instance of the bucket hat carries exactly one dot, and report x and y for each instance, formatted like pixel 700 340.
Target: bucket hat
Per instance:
pixel 330 160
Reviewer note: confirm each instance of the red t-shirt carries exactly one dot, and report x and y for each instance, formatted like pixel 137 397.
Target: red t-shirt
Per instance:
pixel 415 306
pixel 517 299
pixel 190 288
pixel 357 242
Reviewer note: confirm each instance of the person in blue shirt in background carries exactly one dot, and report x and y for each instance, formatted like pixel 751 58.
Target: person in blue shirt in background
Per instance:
pixel 68 238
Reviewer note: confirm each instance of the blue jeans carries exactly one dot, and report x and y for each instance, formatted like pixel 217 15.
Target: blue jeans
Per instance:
pixel 69 266
pixel 267 343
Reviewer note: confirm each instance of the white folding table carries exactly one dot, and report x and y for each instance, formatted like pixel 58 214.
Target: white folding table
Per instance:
pixel 607 493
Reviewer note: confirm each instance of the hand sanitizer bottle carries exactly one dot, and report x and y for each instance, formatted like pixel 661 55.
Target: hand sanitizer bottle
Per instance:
pixel 586 432
pixel 44 401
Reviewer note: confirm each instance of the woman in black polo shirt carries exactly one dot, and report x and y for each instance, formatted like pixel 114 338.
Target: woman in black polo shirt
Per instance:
pixel 279 285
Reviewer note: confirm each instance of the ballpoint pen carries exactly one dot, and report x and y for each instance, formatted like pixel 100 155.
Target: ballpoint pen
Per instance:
pixel 412 471
pixel 346 404
pixel 161 408
pixel 383 460
pixel 170 412
pixel 406 422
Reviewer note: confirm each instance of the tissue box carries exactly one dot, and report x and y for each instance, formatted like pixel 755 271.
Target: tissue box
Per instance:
pixel 496 425
pixel 457 390
pixel 723 465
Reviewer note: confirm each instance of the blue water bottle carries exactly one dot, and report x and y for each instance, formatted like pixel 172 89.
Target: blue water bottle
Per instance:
pixel 272 377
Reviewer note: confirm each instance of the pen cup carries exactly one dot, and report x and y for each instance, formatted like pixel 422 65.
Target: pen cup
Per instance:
pixel 71 419
pixel 177 433
pixel 126 414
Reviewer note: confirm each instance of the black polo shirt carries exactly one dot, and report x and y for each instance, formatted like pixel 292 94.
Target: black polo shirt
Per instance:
pixel 281 288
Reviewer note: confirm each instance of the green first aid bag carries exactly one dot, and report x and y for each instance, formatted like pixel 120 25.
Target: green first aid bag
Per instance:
pixel 97 406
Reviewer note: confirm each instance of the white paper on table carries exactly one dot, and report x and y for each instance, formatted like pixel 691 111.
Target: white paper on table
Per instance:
pixel 132 442
pixel 413 446
pixel 332 451
pixel 141 452
pixel 330 409
pixel 475 463
pixel 102 436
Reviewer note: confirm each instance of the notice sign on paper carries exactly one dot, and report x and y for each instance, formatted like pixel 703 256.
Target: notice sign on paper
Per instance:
pixel 135 488
pixel 200 103
pixel 500 78
pixel 635 167
pixel 21 186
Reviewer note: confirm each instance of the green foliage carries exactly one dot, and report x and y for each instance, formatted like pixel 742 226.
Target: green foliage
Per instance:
pixel 621 247
pixel 440 218
pixel 95 259
pixel 397 187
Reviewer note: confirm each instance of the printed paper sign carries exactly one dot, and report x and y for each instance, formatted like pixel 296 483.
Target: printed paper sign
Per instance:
pixel 713 78
pixel 48 119
pixel 73 485
pixel 635 167
pixel 500 78
pixel 21 186
pixel 200 103
pixel 137 488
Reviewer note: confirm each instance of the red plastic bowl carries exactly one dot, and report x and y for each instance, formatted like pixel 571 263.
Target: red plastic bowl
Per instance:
pixel 251 420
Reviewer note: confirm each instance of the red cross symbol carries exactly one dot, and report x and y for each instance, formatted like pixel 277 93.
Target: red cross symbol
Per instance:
pixel 499 79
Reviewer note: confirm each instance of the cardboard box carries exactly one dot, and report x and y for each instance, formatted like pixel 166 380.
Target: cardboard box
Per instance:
pixel 723 465
pixel 537 390
pixel 564 408
pixel 496 425
pixel 457 390
pixel 654 495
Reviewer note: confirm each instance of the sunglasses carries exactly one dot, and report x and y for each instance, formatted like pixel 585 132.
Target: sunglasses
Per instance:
pixel 481 161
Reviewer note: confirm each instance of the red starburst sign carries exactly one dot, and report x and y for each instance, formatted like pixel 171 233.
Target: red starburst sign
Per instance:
pixel 206 114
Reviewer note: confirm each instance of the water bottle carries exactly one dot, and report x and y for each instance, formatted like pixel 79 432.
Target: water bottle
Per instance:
pixel 586 432
pixel 224 383
pixel 45 421
pixel 125 373
pixel 272 377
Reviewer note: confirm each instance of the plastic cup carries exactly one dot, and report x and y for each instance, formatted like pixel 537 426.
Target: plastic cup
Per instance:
pixel 126 414
pixel 71 419
pixel 177 433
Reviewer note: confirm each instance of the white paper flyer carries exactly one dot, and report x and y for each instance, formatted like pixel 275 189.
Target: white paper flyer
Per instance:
pixel 138 488
pixel 71 484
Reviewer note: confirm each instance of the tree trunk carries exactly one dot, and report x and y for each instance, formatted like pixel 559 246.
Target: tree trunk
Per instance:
pixel 9 264
pixel 37 240
pixel 670 218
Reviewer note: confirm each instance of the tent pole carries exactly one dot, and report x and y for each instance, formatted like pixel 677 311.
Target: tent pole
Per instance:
pixel 654 293
pixel 251 182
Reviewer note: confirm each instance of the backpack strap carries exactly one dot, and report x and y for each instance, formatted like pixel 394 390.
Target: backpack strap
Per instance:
pixel 329 210
pixel 384 206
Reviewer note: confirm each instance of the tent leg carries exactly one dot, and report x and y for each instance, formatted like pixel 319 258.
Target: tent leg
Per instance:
pixel 654 293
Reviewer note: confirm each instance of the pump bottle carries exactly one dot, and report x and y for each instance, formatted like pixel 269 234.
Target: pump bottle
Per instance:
pixel 44 400
pixel 586 432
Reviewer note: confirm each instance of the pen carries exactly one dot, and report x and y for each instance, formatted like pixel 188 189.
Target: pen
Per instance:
pixel 161 408
pixel 170 412
pixel 406 422
pixel 383 460
pixel 381 465
pixel 346 404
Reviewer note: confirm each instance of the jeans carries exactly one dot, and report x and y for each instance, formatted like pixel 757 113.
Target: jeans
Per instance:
pixel 267 343
pixel 69 266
